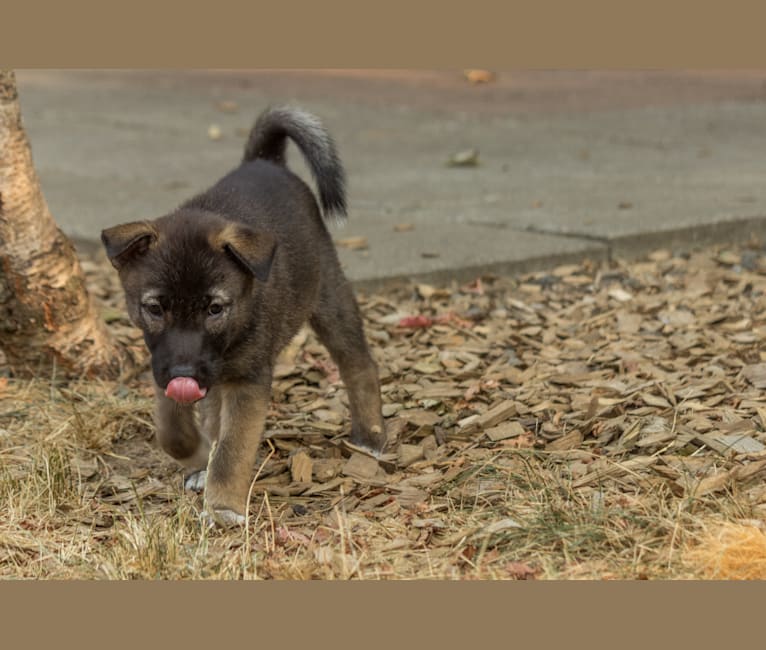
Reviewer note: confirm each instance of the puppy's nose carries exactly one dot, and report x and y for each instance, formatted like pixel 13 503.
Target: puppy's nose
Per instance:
pixel 181 371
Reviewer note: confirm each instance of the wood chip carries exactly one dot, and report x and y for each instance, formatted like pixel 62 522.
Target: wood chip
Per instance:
pixel 408 496
pixel 325 469
pixel 568 441
pixel 301 467
pixel 504 431
pixel 419 417
pixel 497 414
pixel 710 484
pixel 620 294
pixel 360 466
pixel 740 444
pixel 329 486
pixel 755 374
pixel 408 454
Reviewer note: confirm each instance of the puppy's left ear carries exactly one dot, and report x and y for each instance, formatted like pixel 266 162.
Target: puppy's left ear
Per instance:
pixel 252 249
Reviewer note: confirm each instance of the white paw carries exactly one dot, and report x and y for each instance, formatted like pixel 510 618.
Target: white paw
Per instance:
pixel 196 482
pixel 223 517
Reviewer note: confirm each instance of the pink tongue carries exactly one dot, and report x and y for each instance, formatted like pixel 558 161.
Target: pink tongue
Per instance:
pixel 185 390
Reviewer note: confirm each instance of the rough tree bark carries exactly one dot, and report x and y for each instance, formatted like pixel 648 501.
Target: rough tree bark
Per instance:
pixel 46 314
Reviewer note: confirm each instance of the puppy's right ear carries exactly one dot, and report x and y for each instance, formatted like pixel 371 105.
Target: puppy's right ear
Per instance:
pixel 128 241
pixel 253 250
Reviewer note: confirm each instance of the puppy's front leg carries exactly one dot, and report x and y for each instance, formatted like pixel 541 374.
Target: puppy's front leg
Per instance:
pixel 177 432
pixel 209 410
pixel 243 417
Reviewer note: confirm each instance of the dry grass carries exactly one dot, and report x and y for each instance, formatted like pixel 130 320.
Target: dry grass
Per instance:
pixel 731 551
pixel 599 467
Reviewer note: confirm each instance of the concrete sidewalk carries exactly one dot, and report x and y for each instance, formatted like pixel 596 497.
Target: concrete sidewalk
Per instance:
pixel 571 164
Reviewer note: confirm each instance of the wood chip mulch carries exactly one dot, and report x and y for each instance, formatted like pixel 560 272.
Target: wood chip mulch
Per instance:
pixel 639 375
pixel 626 371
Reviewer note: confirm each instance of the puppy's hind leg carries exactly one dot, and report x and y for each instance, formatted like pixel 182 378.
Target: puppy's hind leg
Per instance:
pixel 338 325
pixel 178 434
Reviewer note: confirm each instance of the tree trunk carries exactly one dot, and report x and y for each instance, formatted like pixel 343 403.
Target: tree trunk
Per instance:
pixel 46 315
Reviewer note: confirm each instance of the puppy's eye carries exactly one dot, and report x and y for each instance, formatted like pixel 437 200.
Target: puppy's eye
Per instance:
pixel 154 309
pixel 215 309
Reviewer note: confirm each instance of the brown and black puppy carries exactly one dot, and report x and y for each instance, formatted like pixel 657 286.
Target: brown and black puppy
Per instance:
pixel 222 284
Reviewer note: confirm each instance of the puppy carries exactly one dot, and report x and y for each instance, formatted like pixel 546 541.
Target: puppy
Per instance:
pixel 220 285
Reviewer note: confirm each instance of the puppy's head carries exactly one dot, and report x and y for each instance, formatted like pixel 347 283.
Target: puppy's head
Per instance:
pixel 192 281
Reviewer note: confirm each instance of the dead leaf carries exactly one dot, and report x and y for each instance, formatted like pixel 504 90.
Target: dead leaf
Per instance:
pixel 353 243
pixel 227 106
pixel 465 158
pixel 479 76
pixel 520 571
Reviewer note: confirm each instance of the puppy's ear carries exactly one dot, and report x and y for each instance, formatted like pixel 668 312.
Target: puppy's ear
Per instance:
pixel 253 250
pixel 128 241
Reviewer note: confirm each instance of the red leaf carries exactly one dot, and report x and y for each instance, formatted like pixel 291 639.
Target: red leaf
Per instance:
pixel 467 554
pixel 285 535
pixel 520 571
pixel 416 321
pixel 471 392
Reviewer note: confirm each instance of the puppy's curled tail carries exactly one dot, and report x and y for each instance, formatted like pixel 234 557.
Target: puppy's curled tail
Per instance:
pixel 268 140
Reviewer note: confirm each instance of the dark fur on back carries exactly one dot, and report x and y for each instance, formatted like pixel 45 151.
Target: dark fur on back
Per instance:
pixel 268 141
